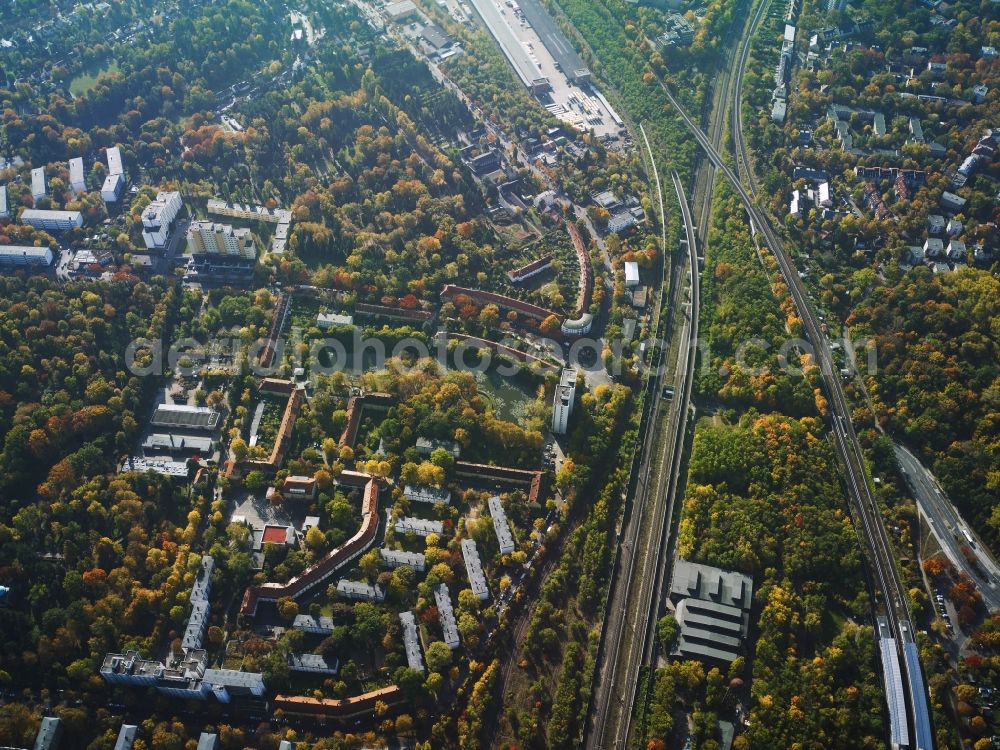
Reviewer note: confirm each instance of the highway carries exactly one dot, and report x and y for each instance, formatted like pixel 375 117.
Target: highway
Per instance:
pixel 949 529
pixel 890 593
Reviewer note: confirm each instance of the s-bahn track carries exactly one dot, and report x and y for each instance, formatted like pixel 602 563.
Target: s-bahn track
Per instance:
pixel 728 80
pixel 890 593
pixel 629 649
pixel 615 631
pixel 676 433
pixel 737 104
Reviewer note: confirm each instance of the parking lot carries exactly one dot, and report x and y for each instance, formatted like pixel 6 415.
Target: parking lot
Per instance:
pixel 571 103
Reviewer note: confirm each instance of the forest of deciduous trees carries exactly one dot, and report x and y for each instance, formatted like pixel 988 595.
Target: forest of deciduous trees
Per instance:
pixel 938 381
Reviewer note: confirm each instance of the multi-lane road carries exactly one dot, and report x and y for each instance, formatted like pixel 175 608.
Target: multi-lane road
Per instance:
pixel 952 533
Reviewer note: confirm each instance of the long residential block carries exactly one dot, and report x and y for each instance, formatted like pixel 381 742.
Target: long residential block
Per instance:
pixel 474 569
pixel 504 537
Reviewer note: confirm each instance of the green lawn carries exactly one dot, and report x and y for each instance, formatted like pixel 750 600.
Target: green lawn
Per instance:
pixel 88 78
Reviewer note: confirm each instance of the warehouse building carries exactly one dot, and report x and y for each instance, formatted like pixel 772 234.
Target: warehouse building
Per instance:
pixel 186 417
pixel 515 52
pixel 436 39
pixel 712 608
pixel 186 445
pixel 566 58
pixel 401 11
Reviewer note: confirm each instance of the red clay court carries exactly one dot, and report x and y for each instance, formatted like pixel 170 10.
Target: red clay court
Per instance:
pixel 275 534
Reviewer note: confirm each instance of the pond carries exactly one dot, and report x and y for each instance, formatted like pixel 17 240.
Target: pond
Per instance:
pixel 508 395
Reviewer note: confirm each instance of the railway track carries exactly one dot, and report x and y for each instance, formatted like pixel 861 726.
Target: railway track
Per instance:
pixel 613 721
pixel 617 630
pixel 889 592
pixel 742 155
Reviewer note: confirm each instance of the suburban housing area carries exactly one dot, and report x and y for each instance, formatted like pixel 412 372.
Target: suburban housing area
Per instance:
pixel 499 374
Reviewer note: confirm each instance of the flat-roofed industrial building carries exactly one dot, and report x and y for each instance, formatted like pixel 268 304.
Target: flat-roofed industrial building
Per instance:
pixel 186 417
pixel 566 57
pixel 527 70
pixel 712 608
